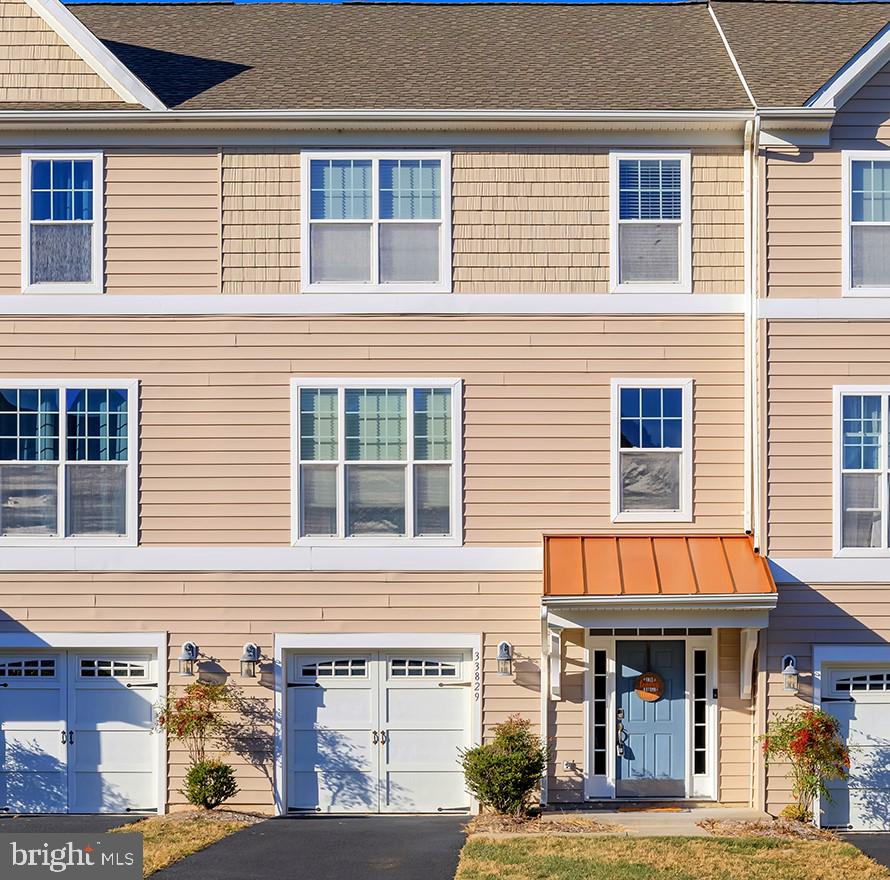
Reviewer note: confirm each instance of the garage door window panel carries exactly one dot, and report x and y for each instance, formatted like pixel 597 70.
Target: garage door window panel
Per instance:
pixel 376 462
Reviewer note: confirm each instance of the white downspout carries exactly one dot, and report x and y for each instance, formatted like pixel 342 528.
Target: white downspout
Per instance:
pixel 757 522
pixel 748 337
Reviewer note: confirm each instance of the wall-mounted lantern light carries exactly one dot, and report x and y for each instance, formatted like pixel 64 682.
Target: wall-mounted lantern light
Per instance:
pixel 188 657
pixel 250 656
pixel 790 674
pixel 505 658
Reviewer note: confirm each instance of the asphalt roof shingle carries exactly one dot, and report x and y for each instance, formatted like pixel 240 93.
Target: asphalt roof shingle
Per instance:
pixel 653 56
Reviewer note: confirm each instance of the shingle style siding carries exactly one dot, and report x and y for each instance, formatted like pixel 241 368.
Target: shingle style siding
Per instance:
pixel 458 56
pixel 37 66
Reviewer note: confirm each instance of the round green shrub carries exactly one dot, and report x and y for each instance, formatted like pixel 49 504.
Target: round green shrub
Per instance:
pixel 209 783
pixel 503 773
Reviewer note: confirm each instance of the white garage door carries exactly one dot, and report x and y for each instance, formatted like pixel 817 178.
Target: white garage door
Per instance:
pixel 75 732
pixel 377 732
pixel 860 700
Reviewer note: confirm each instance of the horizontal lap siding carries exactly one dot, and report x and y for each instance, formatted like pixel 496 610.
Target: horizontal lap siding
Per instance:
pixel 162 222
pixel 222 611
pixel 260 222
pixel 809 615
pixel 804 197
pixel 806 359
pixel 538 222
pixel 36 65
pixel 215 430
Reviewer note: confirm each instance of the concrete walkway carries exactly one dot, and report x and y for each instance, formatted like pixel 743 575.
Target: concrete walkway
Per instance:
pixel 331 848
pixel 661 821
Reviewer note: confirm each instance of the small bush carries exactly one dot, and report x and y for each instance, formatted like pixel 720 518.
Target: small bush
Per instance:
pixel 503 773
pixel 209 783
pixel 797 813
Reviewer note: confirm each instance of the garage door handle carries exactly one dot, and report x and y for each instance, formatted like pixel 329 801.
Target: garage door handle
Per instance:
pixel 70 737
pixel 382 737
pixel 455 684
pixel 64 738
pixel 131 685
pixel 374 737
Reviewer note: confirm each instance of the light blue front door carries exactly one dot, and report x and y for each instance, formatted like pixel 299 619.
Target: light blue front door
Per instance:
pixel 652 735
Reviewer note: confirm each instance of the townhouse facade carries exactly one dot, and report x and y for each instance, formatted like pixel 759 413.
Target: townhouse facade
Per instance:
pixel 407 391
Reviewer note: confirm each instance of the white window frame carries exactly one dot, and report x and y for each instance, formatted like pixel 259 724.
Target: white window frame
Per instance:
pixel 684 514
pixel 684 282
pixel 847 159
pixel 130 539
pixel 443 285
pixel 97 284
pixel 838 392
pixel 407 384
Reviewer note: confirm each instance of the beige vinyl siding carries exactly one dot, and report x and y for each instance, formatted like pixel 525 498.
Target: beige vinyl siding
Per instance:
pixel 221 611
pixel 806 359
pixel 804 192
pixel 162 211
pixel 162 222
pixel 735 724
pixel 260 221
pixel 37 66
pixel 808 615
pixel 215 433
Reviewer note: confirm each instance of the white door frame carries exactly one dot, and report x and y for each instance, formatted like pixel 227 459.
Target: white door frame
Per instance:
pixel 104 641
pixel 286 643
pixel 603 788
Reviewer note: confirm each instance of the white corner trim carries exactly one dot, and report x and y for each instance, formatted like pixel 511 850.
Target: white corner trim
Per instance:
pixel 849 308
pixel 683 286
pixel 285 643
pixel 282 559
pixel 317 304
pixel 104 62
pixel 855 73
pixel 732 57
pixel 749 637
pixel 846 569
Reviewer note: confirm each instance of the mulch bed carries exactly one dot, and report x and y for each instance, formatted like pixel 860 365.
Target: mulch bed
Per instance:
pixel 491 823
pixel 778 828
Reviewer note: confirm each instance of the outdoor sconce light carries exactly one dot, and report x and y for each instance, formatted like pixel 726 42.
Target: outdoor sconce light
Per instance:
pixel 250 656
pixel 505 658
pixel 789 674
pixel 188 657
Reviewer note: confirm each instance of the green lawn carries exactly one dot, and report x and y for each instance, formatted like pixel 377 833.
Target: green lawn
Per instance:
pixel 663 858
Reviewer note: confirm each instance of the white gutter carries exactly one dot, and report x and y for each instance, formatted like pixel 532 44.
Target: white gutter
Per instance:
pixel 347 116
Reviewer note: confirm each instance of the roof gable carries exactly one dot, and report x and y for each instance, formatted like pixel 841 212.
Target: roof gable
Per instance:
pixel 48 57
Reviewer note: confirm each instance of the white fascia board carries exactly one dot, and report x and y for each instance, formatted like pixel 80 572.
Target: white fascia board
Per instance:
pixel 849 308
pixel 855 73
pixel 94 53
pixel 832 570
pixel 280 559
pixel 316 304
pixel 608 618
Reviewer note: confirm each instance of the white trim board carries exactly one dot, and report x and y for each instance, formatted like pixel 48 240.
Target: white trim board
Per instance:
pixel 848 308
pixel 95 54
pixel 847 569
pixel 854 74
pixel 291 642
pixel 232 559
pixel 311 304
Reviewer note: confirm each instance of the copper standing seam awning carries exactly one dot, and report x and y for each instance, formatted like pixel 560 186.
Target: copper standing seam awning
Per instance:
pixel 652 581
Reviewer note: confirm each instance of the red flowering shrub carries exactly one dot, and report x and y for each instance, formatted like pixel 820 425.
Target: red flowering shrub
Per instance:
pixel 196 716
pixel 809 741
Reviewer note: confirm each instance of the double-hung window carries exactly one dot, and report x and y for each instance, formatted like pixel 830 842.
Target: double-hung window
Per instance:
pixel 862 470
pixel 376 222
pixel 650 223
pixel 67 461
pixel 62 223
pixel 866 243
pixel 377 461
pixel 651 450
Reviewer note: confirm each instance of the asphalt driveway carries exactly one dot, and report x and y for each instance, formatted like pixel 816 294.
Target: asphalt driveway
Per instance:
pixel 331 848
pixel 876 846
pixel 67 824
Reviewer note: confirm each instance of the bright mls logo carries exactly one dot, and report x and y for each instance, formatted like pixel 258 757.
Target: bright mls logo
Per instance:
pixel 38 856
